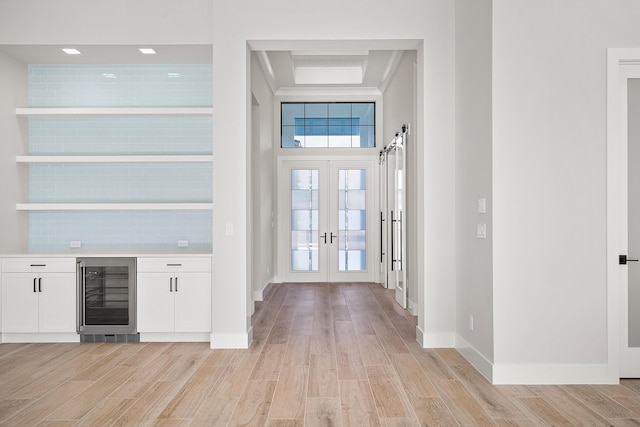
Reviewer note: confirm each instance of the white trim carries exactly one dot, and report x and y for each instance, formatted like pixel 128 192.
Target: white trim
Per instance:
pixel 111 206
pixel 324 91
pixel 412 307
pixel 473 356
pixel 234 341
pixel 436 339
pixel 174 336
pixel 551 374
pixel 115 159
pixel 100 111
pixel 40 337
pixel 420 336
pixel 259 295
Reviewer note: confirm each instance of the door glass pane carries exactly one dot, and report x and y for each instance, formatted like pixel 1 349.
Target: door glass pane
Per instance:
pixel 352 219
pixel 633 268
pixel 304 220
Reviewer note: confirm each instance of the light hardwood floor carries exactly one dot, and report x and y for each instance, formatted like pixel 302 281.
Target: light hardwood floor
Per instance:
pixel 323 355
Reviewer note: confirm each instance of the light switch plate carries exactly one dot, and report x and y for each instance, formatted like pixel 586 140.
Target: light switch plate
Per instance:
pixel 481 231
pixel 183 243
pixel 482 205
pixel 75 244
pixel 228 229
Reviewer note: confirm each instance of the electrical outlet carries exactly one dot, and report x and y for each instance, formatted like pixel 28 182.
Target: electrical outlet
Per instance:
pixel 183 243
pixel 471 322
pixel 75 244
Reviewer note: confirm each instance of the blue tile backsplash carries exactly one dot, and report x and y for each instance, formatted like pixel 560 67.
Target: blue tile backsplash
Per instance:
pixel 120 231
pixel 120 85
pixel 120 183
pixel 134 85
pixel 121 135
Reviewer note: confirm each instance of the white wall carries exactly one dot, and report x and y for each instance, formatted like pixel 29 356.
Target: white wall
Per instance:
pixel 13 141
pixel 430 25
pixel 399 97
pixel 113 22
pixel 549 184
pixel 474 285
pixel 264 188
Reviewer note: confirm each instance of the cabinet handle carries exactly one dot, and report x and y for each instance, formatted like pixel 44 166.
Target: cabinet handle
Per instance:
pixel 171 284
pixel 176 284
pixel 40 284
pixel 34 284
pixel 174 265
pixel 38 265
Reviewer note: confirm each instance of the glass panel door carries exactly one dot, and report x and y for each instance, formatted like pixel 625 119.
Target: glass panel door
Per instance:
pixel 352 213
pixel 323 222
pixel 304 219
pixel 352 219
pixel 630 292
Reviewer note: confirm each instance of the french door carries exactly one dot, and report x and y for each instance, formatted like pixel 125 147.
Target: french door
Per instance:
pixel 326 219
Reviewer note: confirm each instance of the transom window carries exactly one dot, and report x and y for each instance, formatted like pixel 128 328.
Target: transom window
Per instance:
pixel 328 124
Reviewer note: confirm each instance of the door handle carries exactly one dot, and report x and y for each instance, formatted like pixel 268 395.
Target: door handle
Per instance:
pixel 325 238
pixel 176 284
pixel 171 284
pixel 40 284
pixel 623 260
pixel 34 284
pixel 332 236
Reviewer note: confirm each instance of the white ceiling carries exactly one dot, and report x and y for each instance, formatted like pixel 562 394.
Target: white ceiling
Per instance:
pixel 362 68
pixel 110 54
pixel 285 68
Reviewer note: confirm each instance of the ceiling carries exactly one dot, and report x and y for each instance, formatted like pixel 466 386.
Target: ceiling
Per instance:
pixel 289 69
pixel 285 69
pixel 110 54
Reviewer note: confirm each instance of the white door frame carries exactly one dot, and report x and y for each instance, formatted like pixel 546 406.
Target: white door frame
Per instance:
pixel 372 205
pixel 616 197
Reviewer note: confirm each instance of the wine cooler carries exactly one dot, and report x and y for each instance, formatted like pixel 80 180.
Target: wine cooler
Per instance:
pixel 106 299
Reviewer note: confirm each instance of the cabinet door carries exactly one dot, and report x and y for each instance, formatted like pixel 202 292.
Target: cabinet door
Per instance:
pixel 19 303
pixel 155 302
pixel 57 302
pixel 193 302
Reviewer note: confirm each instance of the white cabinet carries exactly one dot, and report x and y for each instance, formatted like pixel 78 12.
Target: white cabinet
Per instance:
pixel 174 295
pixel 38 297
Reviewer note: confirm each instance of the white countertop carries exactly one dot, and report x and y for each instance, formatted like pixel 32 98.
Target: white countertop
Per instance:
pixel 105 255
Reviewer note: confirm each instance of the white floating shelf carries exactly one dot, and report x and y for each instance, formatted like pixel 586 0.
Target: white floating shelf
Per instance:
pixel 125 111
pixel 111 206
pixel 115 159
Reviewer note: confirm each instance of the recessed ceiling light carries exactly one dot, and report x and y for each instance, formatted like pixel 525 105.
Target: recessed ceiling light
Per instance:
pixel 71 51
pixel 147 51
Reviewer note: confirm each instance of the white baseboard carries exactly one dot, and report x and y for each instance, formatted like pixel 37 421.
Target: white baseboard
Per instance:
pixel 226 340
pixel 435 339
pixel 259 295
pixel 477 359
pixel 550 374
pixel 174 336
pixel 40 337
pixel 412 307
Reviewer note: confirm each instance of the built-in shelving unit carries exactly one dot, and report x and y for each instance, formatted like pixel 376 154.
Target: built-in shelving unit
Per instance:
pixel 118 156
pixel 151 158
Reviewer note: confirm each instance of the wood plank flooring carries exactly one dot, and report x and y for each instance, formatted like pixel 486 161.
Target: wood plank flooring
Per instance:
pixel 323 355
